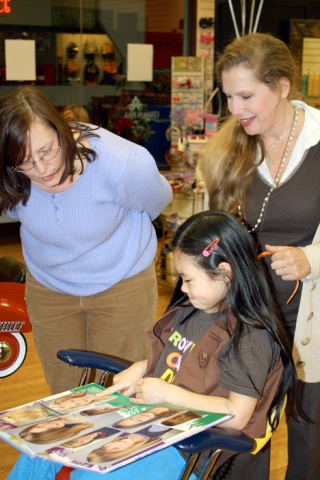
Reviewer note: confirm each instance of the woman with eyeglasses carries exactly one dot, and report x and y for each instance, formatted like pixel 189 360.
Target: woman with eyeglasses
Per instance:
pixel 86 199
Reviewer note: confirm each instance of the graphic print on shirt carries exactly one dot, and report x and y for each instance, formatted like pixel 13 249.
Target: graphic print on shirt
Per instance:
pixel 177 349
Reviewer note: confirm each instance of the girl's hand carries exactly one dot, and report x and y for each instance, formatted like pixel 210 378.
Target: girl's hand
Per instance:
pixel 103 394
pixel 154 391
pixel 151 391
pixel 290 263
pixel 126 381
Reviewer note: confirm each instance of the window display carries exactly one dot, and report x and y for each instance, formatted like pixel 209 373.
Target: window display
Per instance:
pixel 96 61
pixel 72 67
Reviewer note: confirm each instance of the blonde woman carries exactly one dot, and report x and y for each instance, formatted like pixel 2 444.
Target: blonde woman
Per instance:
pixel 181 417
pixel 263 167
pixel 75 112
pixel 77 399
pixel 91 412
pixel 124 445
pixel 54 430
pixel 22 416
pixel 83 440
pixel 144 417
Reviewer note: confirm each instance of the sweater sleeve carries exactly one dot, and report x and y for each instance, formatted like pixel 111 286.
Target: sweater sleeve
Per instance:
pixel 312 253
pixel 146 190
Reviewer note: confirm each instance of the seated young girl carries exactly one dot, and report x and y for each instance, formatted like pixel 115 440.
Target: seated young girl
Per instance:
pixel 220 347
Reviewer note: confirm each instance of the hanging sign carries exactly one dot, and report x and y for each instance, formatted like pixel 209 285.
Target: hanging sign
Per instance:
pixel 4 7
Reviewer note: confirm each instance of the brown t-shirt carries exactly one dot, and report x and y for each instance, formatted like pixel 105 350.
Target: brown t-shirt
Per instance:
pixel 257 352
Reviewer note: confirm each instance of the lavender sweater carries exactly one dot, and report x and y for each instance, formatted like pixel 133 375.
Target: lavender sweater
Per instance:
pixel 97 232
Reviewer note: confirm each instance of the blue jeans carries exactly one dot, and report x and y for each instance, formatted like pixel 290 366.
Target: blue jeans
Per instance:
pixel 165 464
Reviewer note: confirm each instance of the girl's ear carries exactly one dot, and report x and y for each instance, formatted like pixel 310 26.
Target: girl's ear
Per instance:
pixel 225 266
pixel 226 270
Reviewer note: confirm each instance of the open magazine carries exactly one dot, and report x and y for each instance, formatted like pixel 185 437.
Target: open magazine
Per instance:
pixel 83 428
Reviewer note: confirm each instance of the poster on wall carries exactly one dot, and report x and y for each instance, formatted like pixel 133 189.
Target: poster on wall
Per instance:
pixel 25 52
pixel 140 62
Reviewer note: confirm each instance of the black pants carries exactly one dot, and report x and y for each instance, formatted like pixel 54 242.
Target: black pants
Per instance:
pixel 304 440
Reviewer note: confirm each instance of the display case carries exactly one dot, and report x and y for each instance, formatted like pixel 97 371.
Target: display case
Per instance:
pixel 189 90
pixel 186 201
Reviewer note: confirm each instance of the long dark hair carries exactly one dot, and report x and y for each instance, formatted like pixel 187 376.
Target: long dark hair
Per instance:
pixel 248 295
pixel 18 111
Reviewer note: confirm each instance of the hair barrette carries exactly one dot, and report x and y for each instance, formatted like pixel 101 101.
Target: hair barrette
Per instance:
pixel 210 247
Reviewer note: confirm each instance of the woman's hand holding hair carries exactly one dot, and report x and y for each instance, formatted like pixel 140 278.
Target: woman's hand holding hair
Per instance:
pixel 126 381
pixel 290 263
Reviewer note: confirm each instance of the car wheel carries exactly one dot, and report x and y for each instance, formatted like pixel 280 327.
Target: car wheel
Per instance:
pixel 13 350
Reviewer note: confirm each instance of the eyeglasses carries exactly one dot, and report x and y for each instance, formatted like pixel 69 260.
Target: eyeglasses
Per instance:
pixel 46 157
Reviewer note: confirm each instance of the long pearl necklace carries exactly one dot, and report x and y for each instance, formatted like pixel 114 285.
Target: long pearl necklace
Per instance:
pixel 267 155
pixel 277 178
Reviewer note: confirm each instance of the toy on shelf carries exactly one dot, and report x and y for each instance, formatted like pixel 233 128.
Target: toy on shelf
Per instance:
pixel 112 73
pixel 72 67
pixel 91 70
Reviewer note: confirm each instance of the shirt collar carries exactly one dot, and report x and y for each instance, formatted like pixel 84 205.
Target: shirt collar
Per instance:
pixel 308 137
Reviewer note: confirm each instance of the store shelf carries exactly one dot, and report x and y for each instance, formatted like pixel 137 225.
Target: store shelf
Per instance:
pixel 185 203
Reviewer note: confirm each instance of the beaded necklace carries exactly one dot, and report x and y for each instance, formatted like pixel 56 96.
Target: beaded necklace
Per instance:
pixel 267 156
pixel 277 178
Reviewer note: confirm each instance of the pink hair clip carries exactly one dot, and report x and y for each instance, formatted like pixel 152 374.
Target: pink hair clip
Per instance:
pixel 210 247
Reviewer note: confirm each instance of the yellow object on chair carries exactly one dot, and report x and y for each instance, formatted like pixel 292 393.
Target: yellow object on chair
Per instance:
pixel 260 442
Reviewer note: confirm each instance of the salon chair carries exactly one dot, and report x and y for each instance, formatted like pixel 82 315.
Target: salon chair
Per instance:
pixel 214 440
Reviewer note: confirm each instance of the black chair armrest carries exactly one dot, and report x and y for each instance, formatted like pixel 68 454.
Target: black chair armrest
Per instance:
pixel 100 361
pixel 216 438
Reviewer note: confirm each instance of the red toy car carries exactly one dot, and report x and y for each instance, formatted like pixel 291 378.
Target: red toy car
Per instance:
pixel 14 320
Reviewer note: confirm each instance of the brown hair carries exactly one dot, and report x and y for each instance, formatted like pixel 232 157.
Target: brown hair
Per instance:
pixel 73 442
pixel 98 411
pixel 18 111
pixel 181 417
pixel 228 160
pixel 100 455
pixel 122 423
pixel 54 435
pixel 59 402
